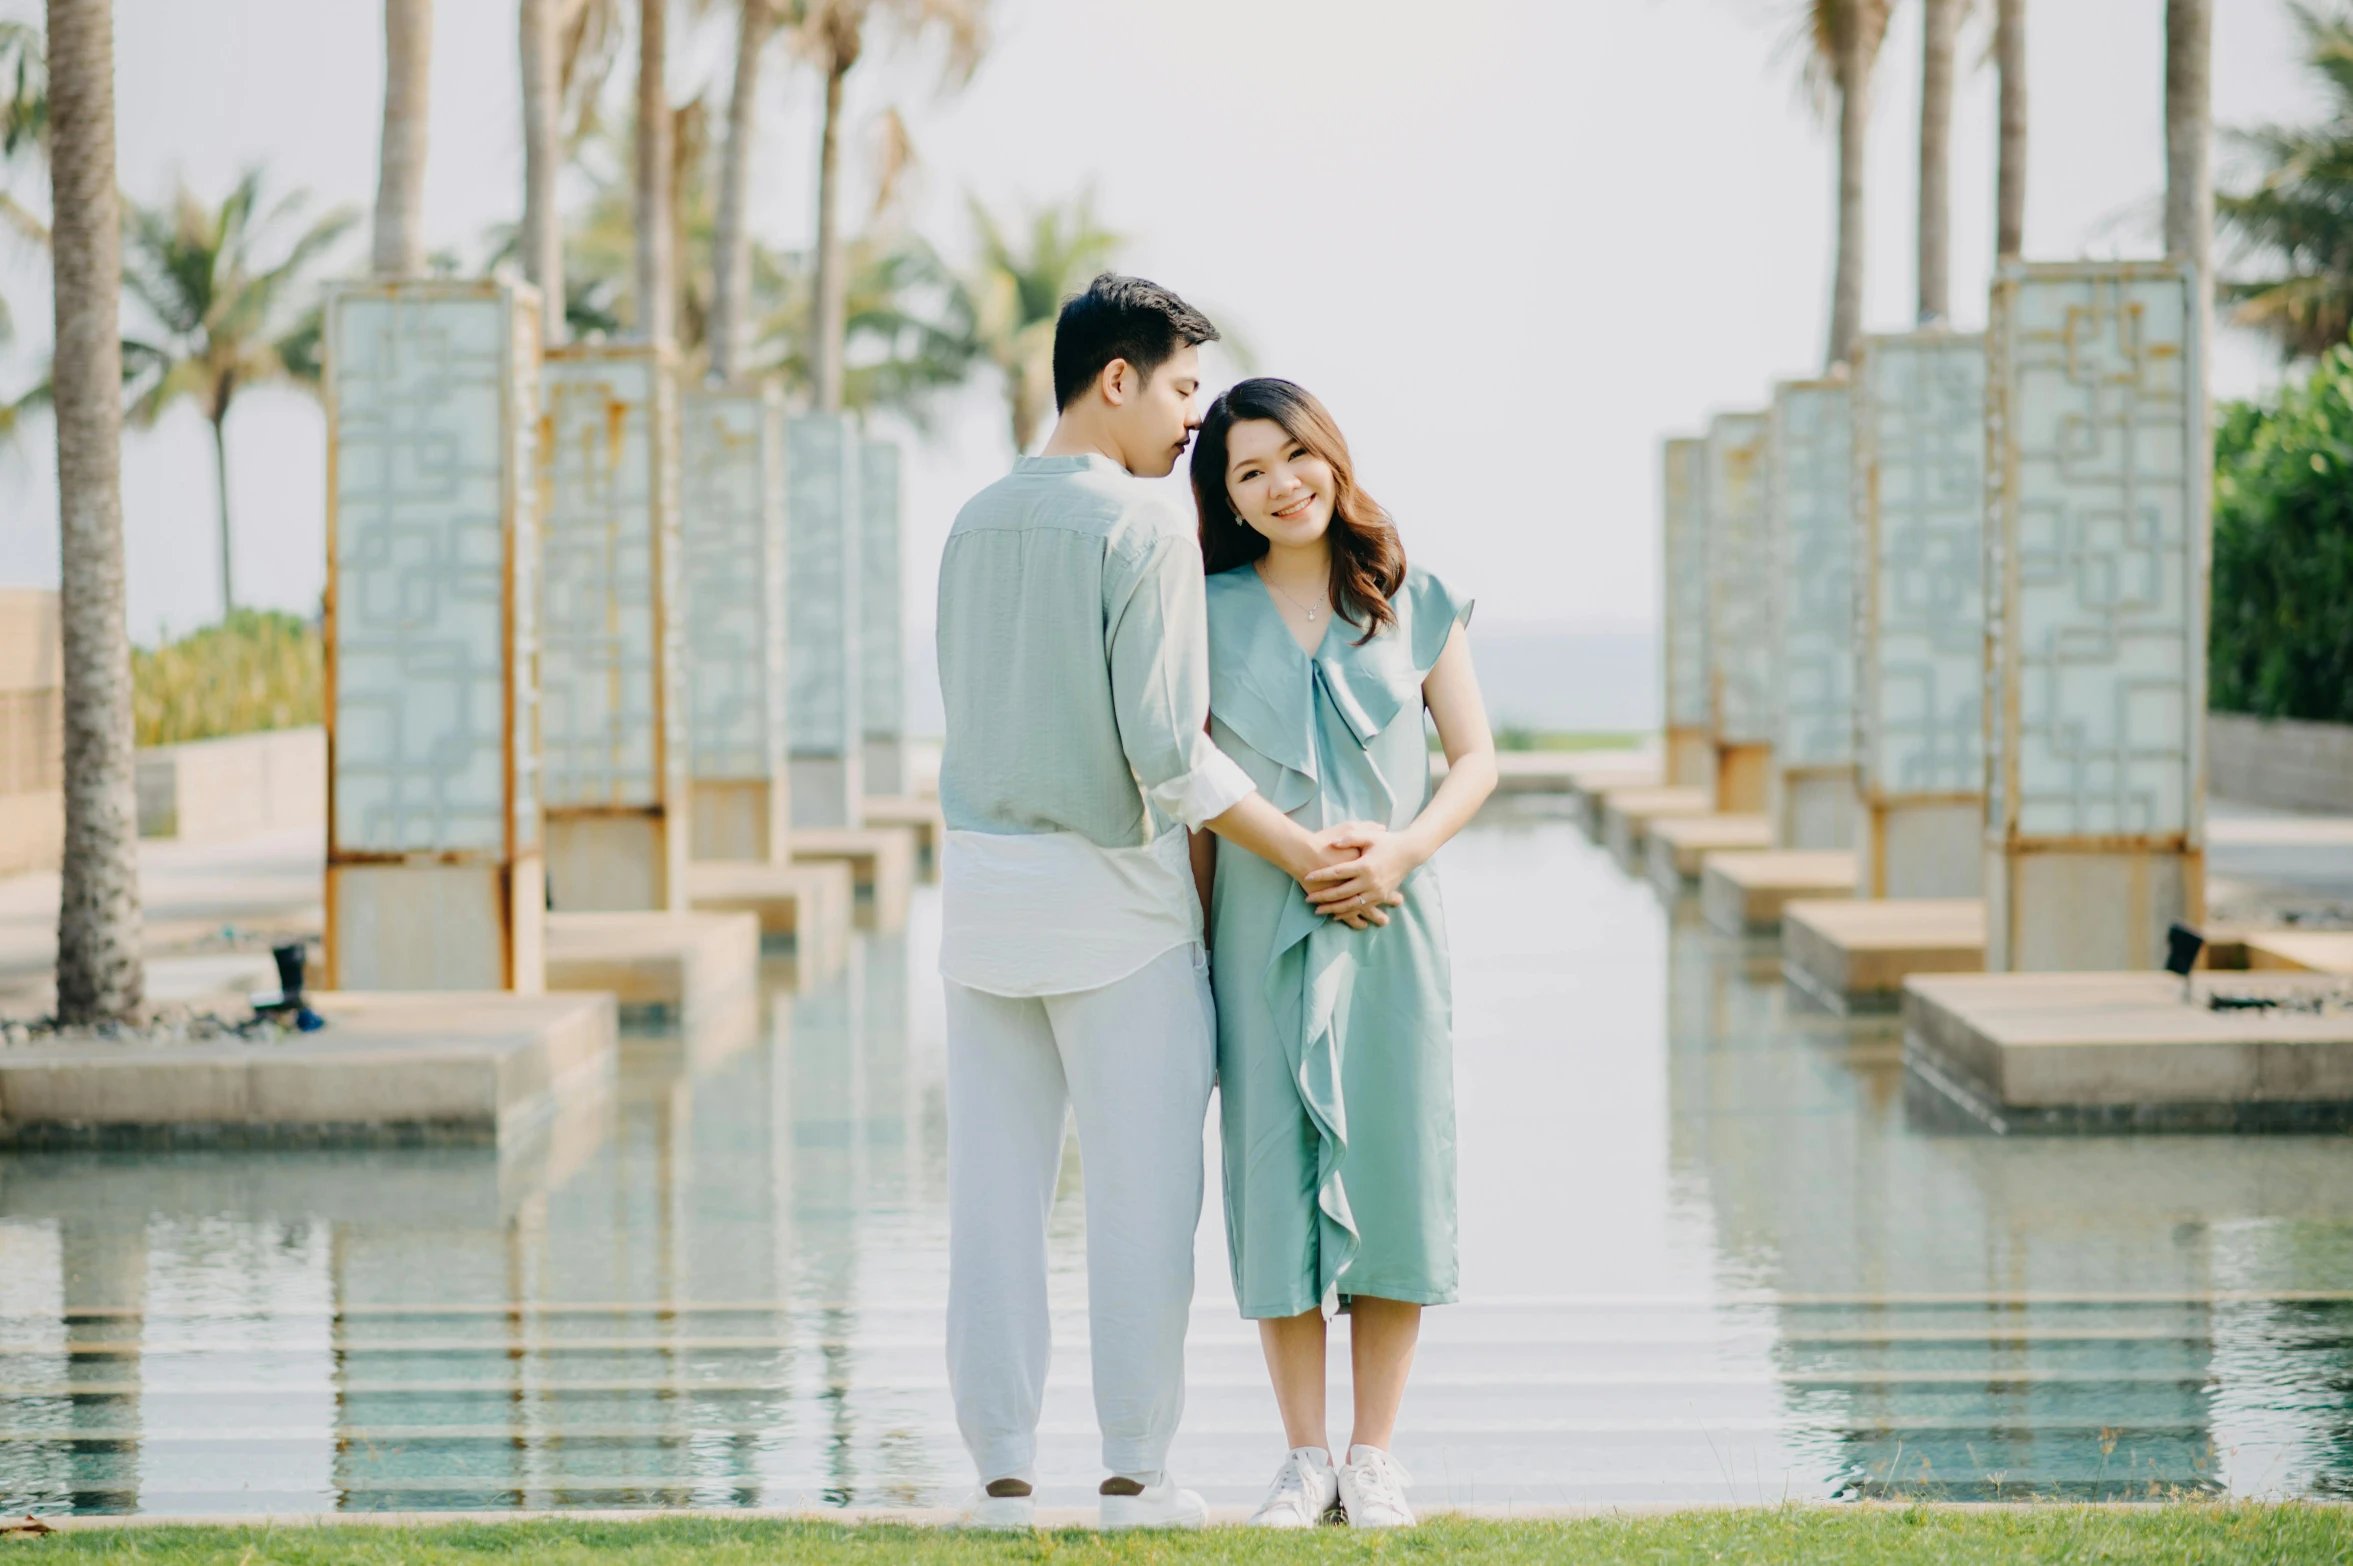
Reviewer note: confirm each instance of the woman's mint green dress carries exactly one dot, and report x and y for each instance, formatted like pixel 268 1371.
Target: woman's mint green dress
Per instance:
pixel 1335 1055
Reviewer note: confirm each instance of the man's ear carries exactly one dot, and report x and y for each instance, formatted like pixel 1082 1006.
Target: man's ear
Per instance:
pixel 1118 382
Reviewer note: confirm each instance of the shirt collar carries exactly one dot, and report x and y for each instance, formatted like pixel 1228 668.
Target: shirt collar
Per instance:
pixel 1084 462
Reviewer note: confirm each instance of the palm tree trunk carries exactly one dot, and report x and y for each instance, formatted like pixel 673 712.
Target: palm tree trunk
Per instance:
pixel 100 973
pixel 1854 119
pixel 220 473
pixel 2189 133
pixel 1940 21
pixel 832 286
pixel 543 156
pixel 731 247
pixel 2010 175
pixel 652 213
pixel 400 165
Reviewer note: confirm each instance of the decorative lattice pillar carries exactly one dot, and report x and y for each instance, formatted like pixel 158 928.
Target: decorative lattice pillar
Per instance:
pixel 2096 558
pixel 1740 612
pixel 1811 507
pixel 732 545
pixel 882 646
pixel 611 666
pixel 1920 614
pixel 1690 746
pixel 433 837
pixel 826 704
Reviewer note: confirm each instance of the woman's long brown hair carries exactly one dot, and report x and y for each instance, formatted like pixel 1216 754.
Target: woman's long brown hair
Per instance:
pixel 1368 561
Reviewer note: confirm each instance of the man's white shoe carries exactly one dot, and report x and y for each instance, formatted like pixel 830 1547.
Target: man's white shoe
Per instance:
pixel 1160 1504
pixel 1007 1512
pixel 1372 1490
pixel 1305 1488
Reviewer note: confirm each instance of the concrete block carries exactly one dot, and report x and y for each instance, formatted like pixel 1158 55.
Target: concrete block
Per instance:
pixel 1814 807
pixel 813 904
pixel 1594 773
pixel 1626 814
pixel 1854 956
pixel 694 966
pixel 2310 951
pixel 1923 846
pixel 389 1067
pixel 2283 763
pixel 917 814
pixel 1743 894
pixel 2131 1050
pixel 882 863
pixel 1677 847
pixel 431 927
pixel 208 790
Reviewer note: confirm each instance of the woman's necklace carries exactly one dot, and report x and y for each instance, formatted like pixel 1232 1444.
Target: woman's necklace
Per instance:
pixel 1278 587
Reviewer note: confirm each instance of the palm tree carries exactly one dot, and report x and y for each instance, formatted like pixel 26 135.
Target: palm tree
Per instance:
pixel 400 166
pixel 2010 154
pixel 100 974
pixel 655 219
pixel 2297 212
pixel 24 120
pixel 1940 23
pixel 1015 290
pixel 1842 39
pixel 220 311
pixel 834 33
pixel 731 245
pixel 2189 136
pixel 543 232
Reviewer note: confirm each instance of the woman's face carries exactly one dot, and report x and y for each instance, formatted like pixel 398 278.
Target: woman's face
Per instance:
pixel 1277 485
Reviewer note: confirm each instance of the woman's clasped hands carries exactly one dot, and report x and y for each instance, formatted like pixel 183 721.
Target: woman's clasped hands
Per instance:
pixel 1364 871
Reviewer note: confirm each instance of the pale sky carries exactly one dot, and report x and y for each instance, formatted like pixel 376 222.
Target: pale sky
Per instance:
pixel 1512 243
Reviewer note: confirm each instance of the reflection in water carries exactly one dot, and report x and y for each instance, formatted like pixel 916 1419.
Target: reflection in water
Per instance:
pixel 1710 1251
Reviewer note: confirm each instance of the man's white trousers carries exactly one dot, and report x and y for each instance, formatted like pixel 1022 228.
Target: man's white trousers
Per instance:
pixel 1133 1062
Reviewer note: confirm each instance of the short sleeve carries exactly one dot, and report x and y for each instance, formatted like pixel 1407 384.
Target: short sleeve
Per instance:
pixel 1433 610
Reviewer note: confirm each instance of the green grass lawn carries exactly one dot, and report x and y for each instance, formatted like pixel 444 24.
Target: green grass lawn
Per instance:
pixel 2202 1532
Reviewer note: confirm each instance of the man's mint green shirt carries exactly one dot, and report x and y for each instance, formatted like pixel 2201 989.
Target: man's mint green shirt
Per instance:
pixel 1074 664
pixel 1074 660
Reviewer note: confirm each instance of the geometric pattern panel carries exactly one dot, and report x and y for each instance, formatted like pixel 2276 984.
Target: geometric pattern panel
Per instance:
pixel 881 642
pixel 1920 415
pixel 2101 553
pixel 1684 523
pixel 1740 574
pixel 824 583
pixel 731 526
pixel 609 575
pixel 1812 486
pixel 431 430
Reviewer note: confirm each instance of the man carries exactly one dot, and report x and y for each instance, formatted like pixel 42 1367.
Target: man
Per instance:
pixel 1074 663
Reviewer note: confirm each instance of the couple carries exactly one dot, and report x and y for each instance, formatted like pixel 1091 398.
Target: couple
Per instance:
pixel 1161 727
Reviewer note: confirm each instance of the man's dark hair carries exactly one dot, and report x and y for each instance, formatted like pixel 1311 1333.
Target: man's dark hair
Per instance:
pixel 1121 318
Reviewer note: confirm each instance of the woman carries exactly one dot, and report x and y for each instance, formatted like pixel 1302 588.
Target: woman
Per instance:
pixel 1335 1062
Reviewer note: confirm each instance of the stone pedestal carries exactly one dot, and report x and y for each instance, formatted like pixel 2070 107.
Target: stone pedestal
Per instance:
pixel 1811 512
pixel 1920 614
pixel 824 586
pixel 1743 894
pixel 1740 613
pixel 2096 560
pixel 1690 758
pixel 732 577
pixel 611 666
pixel 882 640
pixel 434 878
pixel 1677 849
pixel 1626 815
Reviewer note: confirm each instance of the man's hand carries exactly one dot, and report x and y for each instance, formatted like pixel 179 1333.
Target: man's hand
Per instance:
pixel 1370 879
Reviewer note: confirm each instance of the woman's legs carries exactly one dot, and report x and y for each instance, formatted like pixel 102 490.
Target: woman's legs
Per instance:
pixel 1295 1362
pixel 1381 1338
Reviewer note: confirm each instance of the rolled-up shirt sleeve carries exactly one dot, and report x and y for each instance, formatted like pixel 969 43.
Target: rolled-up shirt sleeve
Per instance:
pixel 1157 631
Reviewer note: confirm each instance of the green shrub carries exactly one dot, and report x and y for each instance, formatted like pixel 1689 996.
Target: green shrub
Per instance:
pixel 2281 641
pixel 258 669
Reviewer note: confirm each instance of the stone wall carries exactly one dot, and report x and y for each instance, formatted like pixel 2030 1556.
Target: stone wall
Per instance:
pixel 2283 763
pixel 207 790
pixel 32 737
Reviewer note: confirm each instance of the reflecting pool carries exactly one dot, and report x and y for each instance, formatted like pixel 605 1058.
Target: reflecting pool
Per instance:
pixel 1713 1249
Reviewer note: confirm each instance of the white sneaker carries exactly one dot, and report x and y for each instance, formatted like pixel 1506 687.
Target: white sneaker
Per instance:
pixel 1009 1513
pixel 1157 1505
pixel 1372 1490
pixel 1305 1488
